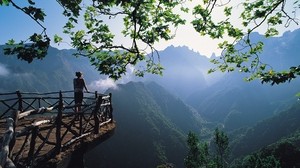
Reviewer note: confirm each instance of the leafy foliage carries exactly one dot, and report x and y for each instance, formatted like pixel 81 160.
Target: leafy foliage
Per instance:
pixel 259 161
pixel 145 23
pixel 222 143
pixel 243 54
pixel 36 46
pixel 279 77
pixel 199 155
pixel 269 131
pixel 4 2
pixel 283 153
pixel 148 22
pixel 198 152
pixel 36 49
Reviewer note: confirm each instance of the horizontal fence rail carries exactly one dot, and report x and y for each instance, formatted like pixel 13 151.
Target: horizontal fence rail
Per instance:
pixel 42 125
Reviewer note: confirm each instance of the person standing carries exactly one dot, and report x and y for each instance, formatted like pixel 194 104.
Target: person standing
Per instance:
pixel 79 85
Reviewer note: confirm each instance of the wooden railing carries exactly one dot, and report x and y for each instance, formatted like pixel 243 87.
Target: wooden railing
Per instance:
pixel 41 126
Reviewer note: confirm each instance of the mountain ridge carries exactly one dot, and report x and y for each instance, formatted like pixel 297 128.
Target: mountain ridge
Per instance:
pixel 138 109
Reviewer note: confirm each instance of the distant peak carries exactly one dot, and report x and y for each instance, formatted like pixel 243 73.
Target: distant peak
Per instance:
pixel 213 56
pixel 178 47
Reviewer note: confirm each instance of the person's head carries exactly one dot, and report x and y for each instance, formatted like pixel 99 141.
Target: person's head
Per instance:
pixel 78 74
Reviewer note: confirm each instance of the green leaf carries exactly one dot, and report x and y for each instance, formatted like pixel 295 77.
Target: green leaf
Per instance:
pixel 227 11
pixel 262 67
pixel 4 2
pixel 36 13
pixel 31 2
pixel 186 10
pixel 10 42
pixel 211 71
pixel 271 32
pixel 57 39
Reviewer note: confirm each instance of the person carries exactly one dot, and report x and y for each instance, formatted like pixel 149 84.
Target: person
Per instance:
pixel 79 85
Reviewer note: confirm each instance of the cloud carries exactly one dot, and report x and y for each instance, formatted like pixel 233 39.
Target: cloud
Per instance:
pixel 129 75
pixel 3 70
pixel 102 85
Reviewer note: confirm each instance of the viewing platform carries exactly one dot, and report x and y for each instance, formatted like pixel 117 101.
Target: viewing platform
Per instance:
pixel 43 129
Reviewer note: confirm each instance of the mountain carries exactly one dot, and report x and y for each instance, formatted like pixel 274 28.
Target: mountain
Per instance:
pixel 277 136
pixel 183 72
pixel 151 122
pixel 280 52
pixel 236 103
pixel 152 126
pixel 55 72
pixel 286 152
pixel 270 131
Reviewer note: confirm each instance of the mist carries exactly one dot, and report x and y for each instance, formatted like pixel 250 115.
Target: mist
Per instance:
pixel 3 70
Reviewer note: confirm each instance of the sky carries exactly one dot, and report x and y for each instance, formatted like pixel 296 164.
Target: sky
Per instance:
pixel 16 25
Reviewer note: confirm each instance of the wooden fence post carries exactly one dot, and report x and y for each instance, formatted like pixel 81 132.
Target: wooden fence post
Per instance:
pixel 80 122
pixel 96 94
pixel 20 108
pixel 34 133
pixel 39 101
pixel 5 143
pixel 95 112
pixel 15 117
pixel 110 108
pixel 58 124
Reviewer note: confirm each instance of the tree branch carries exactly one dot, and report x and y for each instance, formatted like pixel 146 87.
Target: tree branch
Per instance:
pixel 22 9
